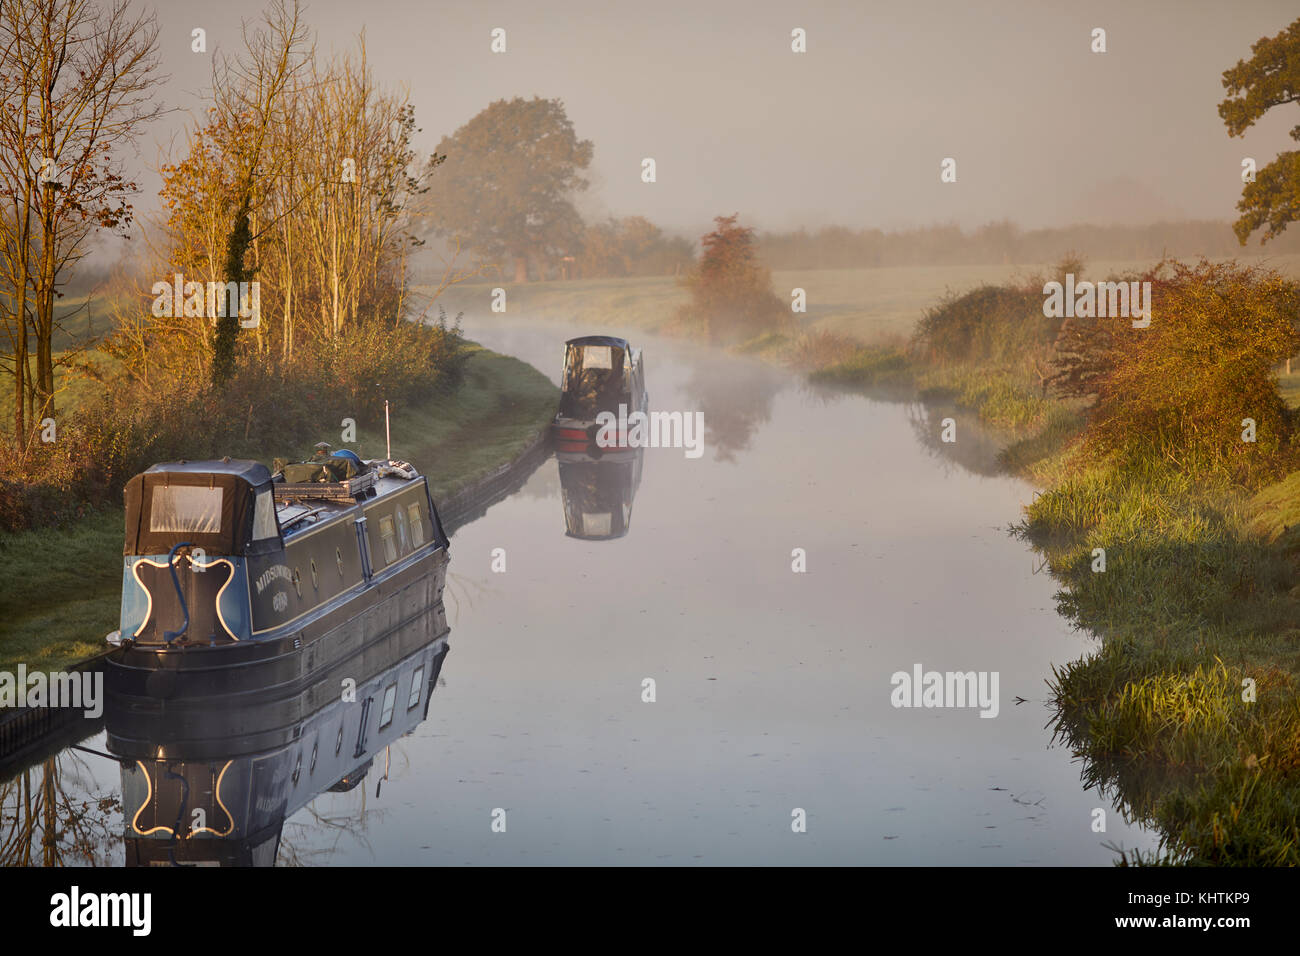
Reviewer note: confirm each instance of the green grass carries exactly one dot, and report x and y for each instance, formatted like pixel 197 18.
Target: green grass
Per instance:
pixel 496 412
pixel 869 367
pixel 80 324
pixel 1200 592
pixel 62 586
pixel 61 593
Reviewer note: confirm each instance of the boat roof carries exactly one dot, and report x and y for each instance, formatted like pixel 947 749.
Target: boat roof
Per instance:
pixel 253 472
pixel 612 340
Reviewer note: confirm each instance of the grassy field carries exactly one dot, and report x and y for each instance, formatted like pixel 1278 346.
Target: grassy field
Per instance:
pixel 62 588
pixel 870 305
pixel 80 322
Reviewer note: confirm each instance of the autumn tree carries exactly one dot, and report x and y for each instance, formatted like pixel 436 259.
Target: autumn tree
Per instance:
pixel 335 211
pixel 250 92
pixel 507 187
pixel 1269 78
pixel 77 86
pixel 631 246
pixel 1181 390
pixel 731 290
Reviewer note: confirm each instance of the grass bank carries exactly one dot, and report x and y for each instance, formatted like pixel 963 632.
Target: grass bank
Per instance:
pixel 1186 566
pixel 63 585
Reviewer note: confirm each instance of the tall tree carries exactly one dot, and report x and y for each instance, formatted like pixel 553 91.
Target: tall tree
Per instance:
pixel 507 187
pixel 1269 78
pixel 250 93
pixel 77 83
pixel 336 205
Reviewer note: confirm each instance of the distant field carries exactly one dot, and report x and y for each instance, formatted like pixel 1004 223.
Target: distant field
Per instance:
pixel 82 320
pixel 866 304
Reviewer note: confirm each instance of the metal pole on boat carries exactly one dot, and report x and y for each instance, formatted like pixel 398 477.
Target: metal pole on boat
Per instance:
pixel 388 436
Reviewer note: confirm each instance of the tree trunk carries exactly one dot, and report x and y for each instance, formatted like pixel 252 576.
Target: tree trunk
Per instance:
pixel 20 379
pixel 45 316
pixel 521 269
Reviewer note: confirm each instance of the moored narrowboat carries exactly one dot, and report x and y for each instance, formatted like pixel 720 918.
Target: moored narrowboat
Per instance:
pixel 601 373
pixel 237 582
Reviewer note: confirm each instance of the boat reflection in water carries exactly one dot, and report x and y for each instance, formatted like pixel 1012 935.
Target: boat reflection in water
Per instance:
pixel 597 491
pixel 213 785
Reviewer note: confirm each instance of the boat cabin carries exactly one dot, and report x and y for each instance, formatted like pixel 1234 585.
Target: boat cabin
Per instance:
pixel 601 372
pixel 223 551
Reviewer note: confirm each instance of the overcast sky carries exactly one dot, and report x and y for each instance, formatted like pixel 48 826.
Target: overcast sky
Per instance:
pixel 853 131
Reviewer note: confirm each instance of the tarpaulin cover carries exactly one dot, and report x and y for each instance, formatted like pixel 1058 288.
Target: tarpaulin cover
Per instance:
pixel 590 387
pixel 334 468
pixel 210 504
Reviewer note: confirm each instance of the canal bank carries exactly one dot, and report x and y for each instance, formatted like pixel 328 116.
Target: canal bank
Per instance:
pixel 1175 545
pixel 63 585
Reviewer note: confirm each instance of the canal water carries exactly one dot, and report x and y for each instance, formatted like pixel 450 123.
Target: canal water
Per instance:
pixel 773 708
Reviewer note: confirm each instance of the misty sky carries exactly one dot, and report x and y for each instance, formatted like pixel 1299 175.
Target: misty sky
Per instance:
pixel 852 132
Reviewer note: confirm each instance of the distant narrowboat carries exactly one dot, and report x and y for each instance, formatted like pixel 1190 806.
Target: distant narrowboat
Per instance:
pixel 601 372
pixel 236 582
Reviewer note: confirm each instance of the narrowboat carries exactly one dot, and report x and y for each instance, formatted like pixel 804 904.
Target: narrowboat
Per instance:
pixel 601 373
pixel 237 582
pixel 217 789
pixel 597 494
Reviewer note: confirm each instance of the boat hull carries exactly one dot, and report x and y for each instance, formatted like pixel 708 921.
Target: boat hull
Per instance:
pixel 294 669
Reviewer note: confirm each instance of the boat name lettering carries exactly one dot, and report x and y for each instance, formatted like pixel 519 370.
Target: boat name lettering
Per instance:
pixel 271 574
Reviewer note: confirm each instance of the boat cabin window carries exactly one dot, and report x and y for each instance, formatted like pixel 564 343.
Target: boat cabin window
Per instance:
pixel 187 509
pixel 598 356
pixel 402 546
pixel 417 524
pixel 417 686
pixel 597 524
pixel 264 516
pixel 387 534
pixel 390 698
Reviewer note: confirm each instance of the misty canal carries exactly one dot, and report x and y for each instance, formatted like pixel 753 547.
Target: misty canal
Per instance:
pixel 773 708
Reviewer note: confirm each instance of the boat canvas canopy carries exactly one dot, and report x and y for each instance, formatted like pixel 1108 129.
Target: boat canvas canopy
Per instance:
pixel 610 340
pixel 594 376
pixel 211 504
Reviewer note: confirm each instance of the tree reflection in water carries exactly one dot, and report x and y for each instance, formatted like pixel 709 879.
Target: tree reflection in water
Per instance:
pixel 735 402
pixel 54 814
